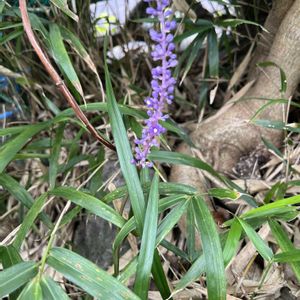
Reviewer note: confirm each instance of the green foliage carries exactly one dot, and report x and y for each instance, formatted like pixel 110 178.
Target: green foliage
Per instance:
pixel 145 258
pixel 15 276
pixel 156 206
pixel 87 275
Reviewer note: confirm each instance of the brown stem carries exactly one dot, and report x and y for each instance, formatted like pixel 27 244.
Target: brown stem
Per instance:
pixel 57 79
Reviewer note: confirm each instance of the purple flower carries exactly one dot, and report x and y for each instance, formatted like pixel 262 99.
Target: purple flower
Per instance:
pixel 162 81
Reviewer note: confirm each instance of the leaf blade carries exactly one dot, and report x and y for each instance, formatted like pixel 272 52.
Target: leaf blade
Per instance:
pixel 88 276
pixel 51 290
pixel 145 259
pixel 90 203
pixel 29 219
pixel 124 153
pixel 62 58
pixel 215 273
pixel 15 276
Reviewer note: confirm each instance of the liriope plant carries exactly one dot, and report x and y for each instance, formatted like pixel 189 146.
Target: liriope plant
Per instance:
pixel 156 206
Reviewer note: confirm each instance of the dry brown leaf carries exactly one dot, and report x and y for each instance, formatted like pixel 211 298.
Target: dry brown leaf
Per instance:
pixel 236 77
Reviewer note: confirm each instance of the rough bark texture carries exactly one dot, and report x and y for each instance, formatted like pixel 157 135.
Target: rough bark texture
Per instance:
pixel 266 38
pixel 223 138
pixel 227 136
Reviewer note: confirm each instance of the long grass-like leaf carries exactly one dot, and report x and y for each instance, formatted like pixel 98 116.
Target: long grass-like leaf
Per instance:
pixel 55 150
pixel 260 245
pixel 21 195
pixel 124 153
pixel 10 256
pixel 15 276
pixel 90 203
pixel 285 244
pixel 232 241
pixel 215 273
pixel 63 6
pixel 194 272
pixel 62 58
pixel 88 276
pixel 29 220
pixel 148 243
pixel 32 291
pixel 13 146
pixel 267 207
pixel 51 290
pixel 213 53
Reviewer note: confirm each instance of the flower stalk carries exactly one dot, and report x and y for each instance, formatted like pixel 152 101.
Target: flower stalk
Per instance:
pixel 162 82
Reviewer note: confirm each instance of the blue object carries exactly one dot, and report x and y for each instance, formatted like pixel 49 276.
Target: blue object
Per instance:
pixel 6 115
pixel 3 82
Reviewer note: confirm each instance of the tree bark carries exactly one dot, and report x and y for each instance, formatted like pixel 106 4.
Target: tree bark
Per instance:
pixel 223 138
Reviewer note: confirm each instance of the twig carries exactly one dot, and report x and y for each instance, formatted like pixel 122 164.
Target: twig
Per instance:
pixel 56 78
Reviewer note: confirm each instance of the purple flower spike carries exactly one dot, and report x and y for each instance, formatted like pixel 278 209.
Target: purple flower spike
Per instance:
pixel 162 81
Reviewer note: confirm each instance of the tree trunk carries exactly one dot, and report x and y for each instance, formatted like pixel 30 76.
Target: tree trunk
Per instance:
pixel 227 136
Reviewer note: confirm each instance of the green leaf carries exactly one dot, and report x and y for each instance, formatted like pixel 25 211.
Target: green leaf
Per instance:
pixel 268 207
pixel 88 276
pixel 100 106
pixel 278 125
pixel 128 227
pixel 21 195
pixel 183 159
pixel 9 25
pixel 213 54
pixel 29 220
pixel 283 82
pixel 13 146
pixel 148 243
pixel 237 22
pixel 159 277
pixel 15 276
pixel 171 247
pixel 232 241
pixel 163 228
pixel 289 212
pixel 285 244
pixel 167 202
pixel 192 52
pixel 9 256
pixel 13 130
pixel 194 272
pixel 90 203
pixel 51 290
pixel 128 271
pixel 11 36
pixel 200 26
pixel 124 153
pixel 263 249
pixel 16 190
pixel 170 220
pixel 222 193
pixel 2 5
pixel 32 291
pixel 215 273
pixel 63 6
pixel 62 58
pixel 37 24
pixel 191 234
pixel 164 188
pixel 263 107
pixel 55 150
pixel 288 256
pixel 77 45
